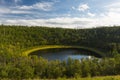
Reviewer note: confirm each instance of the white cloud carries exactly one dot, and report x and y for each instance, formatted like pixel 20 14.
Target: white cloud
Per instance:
pixel 16 1
pixel 4 10
pixel 25 7
pixel 108 18
pixel 73 8
pixel 115 5
pixel 65 22
pixel 112 14
pixel 69 22
pixel 83 7
pixel 20 12
pixel 45 6
pixel 91 14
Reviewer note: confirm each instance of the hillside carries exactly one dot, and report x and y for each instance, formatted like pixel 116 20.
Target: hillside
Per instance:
pixel 17 38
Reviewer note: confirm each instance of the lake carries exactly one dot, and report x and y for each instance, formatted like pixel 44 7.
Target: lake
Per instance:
pixel 63 53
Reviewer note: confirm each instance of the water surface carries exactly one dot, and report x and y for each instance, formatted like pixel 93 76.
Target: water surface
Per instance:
pixel 62 54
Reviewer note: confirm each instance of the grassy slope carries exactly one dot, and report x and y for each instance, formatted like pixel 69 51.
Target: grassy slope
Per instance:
pixel 26 52
pixel 95 78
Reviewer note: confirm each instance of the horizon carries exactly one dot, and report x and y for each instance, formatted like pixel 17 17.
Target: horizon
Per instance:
pixel 55 13
pixel 58 26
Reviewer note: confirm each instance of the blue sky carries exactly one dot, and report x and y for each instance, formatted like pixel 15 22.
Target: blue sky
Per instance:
pixel 60 13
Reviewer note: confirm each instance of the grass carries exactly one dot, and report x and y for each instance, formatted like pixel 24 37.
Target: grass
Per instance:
pixel 117 77
pixel 30 50
pixel 94 78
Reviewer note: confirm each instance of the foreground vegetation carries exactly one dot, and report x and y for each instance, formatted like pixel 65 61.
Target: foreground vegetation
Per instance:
pixel 29 67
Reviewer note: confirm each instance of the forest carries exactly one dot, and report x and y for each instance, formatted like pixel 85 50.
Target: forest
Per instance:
pixel 16 39
pixel 16 67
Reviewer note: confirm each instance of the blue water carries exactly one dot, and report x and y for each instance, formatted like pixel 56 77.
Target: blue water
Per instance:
pixel 61 54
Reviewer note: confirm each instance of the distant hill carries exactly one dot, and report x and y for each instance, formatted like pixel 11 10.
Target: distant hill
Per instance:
pixel 14 39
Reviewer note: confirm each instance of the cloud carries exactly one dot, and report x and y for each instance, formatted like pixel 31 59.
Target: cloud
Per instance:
pixel 109 17
pixel 4 10
pixel 45 6
pixel 69 22
pixel 6 2
pixel 115 5
pixel 16 1
pixel 25 7
pixel 83 7
pixel 91 14
pixel 112 14
pixel 65 22
pixel 2 1
pixel 20 12
pixel 73 8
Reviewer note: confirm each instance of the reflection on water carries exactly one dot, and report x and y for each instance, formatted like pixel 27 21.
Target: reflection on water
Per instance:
pixel 62 54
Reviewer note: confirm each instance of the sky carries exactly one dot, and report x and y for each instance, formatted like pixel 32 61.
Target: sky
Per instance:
pixel 60 13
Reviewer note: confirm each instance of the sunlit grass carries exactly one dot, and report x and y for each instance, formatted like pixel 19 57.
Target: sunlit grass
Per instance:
pixel 94 78
pixel 88 78
pixel 30 50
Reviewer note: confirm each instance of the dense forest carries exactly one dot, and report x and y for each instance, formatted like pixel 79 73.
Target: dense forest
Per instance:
pixel 15 39
pixel 33 67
